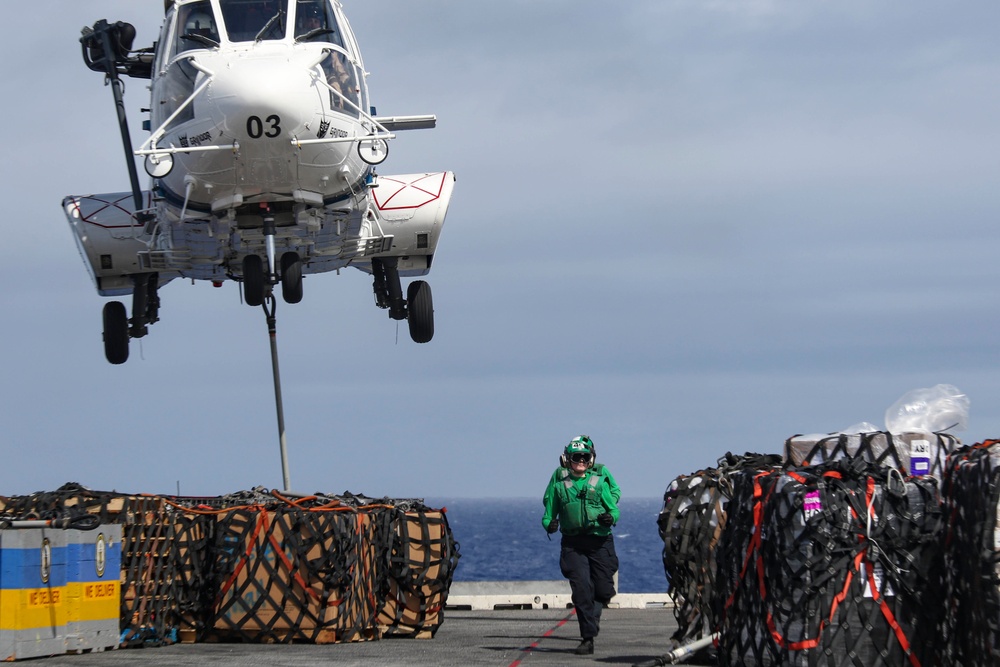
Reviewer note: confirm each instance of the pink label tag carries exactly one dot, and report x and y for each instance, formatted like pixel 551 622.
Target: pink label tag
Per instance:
pixel 812 505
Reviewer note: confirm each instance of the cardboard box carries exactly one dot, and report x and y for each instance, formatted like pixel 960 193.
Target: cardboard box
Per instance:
pixel 294 575
pixel 418 585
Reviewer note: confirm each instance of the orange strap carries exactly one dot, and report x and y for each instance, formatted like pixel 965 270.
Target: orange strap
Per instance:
pixel 858 559
pixel 243 560
pixel 263 524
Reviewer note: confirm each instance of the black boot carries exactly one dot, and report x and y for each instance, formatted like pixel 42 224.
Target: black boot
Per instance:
pixel 586 647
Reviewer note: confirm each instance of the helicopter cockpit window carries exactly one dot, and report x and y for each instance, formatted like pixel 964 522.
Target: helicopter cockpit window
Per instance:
pixel 255 20
pixel 315 22
pixel 196 27
pixel 342 76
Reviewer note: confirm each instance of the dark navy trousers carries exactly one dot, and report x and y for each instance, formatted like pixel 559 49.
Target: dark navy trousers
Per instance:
pixel 590 563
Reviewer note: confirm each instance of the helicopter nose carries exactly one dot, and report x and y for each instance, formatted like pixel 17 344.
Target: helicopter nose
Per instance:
pixel 263 98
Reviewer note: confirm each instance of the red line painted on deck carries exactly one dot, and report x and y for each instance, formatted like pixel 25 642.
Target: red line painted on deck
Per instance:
pixel 548 633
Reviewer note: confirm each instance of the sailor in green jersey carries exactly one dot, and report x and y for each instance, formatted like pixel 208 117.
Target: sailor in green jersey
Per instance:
pixel 581 500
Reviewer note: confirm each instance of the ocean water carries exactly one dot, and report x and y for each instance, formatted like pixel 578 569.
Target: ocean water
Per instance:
pixel 503 540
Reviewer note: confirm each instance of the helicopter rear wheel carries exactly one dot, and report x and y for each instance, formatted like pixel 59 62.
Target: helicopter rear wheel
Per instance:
pixel 115 332
pixel 420 311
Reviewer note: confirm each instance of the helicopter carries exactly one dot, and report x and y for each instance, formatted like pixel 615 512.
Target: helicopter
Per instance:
pixel 262 155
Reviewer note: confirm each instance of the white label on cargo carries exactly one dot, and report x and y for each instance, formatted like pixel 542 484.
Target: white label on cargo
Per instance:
pixel 879 576
pixel 920 457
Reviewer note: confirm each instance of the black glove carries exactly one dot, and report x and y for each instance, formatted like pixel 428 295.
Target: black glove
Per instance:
pixel 605 519
pixel 553 526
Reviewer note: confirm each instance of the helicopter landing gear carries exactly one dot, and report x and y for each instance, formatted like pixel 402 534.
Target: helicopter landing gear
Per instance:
pixel 115 332
pixel 420 311
pixel 291 277
pixel 145 303
pixel 417 308
pixel 258 279
pixel 388 292
pixel 118 328
pixel 257 284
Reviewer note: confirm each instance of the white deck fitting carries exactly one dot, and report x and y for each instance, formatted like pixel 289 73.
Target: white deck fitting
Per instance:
pixel 489 595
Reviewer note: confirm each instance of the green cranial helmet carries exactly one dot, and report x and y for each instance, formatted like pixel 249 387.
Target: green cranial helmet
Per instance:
pixel 581 444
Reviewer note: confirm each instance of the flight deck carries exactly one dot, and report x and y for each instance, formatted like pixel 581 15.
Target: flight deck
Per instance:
pixel 498 638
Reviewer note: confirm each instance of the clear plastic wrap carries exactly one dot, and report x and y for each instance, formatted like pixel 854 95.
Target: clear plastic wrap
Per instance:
pixel 935 409
pixel 914 440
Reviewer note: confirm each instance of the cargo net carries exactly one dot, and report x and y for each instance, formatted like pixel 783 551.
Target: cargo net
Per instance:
pixel 970 629
pixel 911 453
pixel 258 567
pixel 690 524
pixel 421 565
pixel 829 566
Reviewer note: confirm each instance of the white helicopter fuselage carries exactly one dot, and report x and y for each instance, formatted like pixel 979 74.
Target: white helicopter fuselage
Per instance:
pixel 255 101
pixel 262 144
pixel 255 106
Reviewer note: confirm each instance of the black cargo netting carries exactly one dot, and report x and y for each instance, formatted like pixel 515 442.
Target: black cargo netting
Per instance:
pixel 970 628
pixel 910 453
pixel 288 574
pixel 256 566
pixel 690 524
pixel 422 562
pixel 829 566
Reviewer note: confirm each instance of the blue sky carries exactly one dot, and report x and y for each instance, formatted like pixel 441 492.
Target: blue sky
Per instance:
pixel 683 228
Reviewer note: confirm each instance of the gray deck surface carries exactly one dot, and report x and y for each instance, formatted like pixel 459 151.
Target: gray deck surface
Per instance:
pixel 509 638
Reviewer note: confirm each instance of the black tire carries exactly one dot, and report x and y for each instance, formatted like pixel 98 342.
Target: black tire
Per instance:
pixel 115 332
pixel 254 283
pixel 420 311
pixel 291 277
